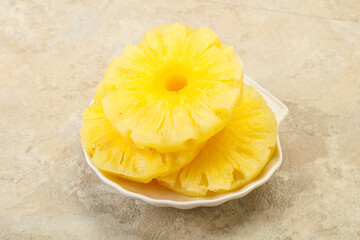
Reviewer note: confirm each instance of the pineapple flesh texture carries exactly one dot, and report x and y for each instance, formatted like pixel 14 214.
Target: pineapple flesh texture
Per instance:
pixel 110 153
pixel 234 156
pixel 174 90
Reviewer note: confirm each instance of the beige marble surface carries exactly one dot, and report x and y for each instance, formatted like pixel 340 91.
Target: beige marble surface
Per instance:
pixel 52 55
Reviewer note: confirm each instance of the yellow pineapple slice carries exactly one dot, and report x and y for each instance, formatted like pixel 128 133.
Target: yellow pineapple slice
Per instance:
pixel 234 156
pixel 175 89
pixel 110 153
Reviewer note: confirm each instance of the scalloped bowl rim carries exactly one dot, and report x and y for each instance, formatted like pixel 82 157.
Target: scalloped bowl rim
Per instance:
pixel 280 111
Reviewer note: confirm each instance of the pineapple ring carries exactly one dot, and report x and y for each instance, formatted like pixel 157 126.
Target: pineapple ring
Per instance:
pixel 110 153
pixel 175 89
pixel 234 156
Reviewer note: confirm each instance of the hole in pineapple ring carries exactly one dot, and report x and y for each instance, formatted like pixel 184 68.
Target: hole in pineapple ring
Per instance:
pixel 175 82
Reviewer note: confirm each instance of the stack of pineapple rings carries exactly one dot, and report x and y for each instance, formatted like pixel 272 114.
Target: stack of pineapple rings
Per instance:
pixel 174 108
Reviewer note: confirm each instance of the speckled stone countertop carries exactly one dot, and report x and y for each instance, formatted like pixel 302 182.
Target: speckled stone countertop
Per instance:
pixel 52 55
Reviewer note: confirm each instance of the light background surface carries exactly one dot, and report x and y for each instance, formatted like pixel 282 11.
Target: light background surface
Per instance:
pixel 52 55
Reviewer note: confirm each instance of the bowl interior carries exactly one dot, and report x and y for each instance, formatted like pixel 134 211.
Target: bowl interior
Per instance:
pixel 157 195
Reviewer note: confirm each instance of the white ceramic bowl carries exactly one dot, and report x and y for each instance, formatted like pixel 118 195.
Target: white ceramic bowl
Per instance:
pixel 159 196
